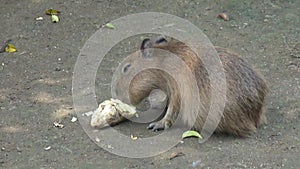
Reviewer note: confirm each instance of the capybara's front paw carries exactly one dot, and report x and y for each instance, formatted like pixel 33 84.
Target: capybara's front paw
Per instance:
pixel 159 125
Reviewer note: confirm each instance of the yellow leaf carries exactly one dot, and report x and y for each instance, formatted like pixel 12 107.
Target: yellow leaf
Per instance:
pixel 191 133
pixel 133 137
pixel 10 48
pixel 52 12
pixel 110 26
pixel 54 18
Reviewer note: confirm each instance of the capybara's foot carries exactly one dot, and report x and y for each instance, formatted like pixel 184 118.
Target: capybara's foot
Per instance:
pixel 159 125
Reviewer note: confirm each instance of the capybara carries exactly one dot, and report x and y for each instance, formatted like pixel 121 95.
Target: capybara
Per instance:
pixel 245 95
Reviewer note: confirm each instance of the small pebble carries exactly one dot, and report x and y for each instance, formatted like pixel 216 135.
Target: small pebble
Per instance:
pixel 88 113
pixel 57 69
pixel 74 119
pixel 195 163
pixel 58 125
pixel 47 148
pixel 97 139
pixel 39 18
pixel 19 149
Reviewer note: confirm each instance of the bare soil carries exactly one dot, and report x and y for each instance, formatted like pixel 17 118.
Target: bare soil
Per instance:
pixel 36 82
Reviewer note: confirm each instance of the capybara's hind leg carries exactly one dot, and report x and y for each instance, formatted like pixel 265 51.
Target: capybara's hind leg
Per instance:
pixel 262 117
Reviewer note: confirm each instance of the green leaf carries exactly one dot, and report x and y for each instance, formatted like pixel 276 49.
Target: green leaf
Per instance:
pixel 191 133
pixel 110 26
pixel 54 18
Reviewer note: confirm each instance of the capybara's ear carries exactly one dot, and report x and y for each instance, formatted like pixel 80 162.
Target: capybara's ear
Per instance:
pixel 146 48
pixel 161 40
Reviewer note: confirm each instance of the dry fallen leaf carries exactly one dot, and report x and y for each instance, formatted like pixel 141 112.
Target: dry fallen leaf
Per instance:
pixel 224 16
pixel 175 154
pixel 133 137
pixel 52 12
pixel 58 125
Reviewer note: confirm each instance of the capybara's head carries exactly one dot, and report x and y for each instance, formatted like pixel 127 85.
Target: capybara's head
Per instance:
pixel 135 77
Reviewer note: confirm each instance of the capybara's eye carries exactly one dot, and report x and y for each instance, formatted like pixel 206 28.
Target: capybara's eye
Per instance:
pixel 126 68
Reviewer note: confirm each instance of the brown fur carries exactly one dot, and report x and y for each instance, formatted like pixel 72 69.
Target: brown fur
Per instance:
pixel 245 97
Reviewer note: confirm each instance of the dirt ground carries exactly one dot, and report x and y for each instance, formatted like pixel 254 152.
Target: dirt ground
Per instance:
pixel 36 82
